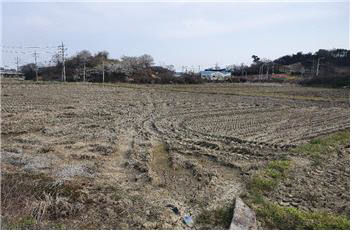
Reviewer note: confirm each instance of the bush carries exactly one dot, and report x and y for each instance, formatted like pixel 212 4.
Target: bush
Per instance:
pixel 217 218
pixel 29 71
pixel 192 78
pixel 326 81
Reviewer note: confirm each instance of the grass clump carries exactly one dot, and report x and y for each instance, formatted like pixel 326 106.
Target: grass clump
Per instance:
pixel 279 217
pixel 324 144
pixel 269 178
pixel 217 218
pixel 262 184
pixel 25 223
pixel 46 149
pixel 274 216
pixel 318 149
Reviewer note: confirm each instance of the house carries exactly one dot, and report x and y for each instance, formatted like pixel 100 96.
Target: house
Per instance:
pixel 215 74
pixel 11 73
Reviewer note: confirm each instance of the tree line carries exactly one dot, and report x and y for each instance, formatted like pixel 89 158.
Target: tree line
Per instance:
pixel 324 67
pixel 85 66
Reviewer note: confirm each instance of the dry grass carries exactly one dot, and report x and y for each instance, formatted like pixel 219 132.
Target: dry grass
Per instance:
pixel 29 199
pixel 219 218
pixel 132 149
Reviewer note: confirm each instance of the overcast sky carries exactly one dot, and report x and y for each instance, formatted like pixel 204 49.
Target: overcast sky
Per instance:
pixel 182 34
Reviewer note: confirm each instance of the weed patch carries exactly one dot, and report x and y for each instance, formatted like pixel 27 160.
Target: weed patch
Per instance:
pixel 286 218
pixel 25 223
pixel 321 146
pixel 269 178
pixel 218 218
pixel 273 216
pixel 26 197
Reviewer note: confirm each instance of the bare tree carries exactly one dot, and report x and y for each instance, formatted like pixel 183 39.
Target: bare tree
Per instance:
pixel 145 61
pixel 56 59
pixel 170 67
pixel 265 63
pixel 131 64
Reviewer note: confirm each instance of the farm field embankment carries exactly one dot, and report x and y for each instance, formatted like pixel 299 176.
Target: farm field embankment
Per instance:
pixel 123 156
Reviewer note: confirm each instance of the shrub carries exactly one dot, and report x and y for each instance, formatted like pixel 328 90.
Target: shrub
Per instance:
pixel 217 218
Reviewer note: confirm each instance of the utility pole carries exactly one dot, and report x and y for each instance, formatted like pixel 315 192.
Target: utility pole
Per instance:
pixel 17 62
pixel 62 52
pixel 318 65
pixel 35 62
pixel 103 68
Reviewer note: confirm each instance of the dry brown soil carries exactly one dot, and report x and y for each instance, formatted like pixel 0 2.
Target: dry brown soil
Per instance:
pixel 132 150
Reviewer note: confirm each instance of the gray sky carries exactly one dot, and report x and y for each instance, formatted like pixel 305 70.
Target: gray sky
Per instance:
pixel 178 33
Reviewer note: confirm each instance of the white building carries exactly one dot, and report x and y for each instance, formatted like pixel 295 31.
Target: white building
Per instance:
pixel 215 74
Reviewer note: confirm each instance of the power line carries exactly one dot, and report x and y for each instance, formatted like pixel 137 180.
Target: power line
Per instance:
pixel 29 47
pixel 25 53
